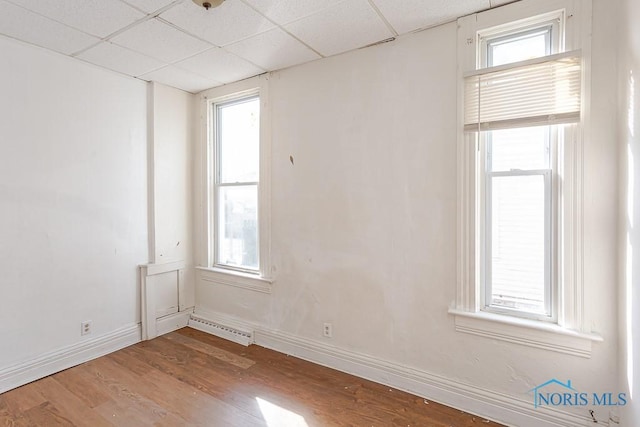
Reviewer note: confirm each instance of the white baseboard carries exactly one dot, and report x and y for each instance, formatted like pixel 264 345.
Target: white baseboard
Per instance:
pixel 172 322
pixel 484 403
pixel 64 358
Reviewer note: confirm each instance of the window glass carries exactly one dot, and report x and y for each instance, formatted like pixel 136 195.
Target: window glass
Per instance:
pixel 239 140
pixel 238 226
pixel 237 147
pixel 520 47
pixel 517 264
pixel 519 148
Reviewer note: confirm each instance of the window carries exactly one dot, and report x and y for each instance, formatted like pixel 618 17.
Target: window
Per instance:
pixel 236 125
pixel 519 171
pixel 517 176
pixel 234 247
pixel 517 233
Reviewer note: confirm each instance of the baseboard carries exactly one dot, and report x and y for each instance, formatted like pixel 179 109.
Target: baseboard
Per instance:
pixel 491 405
pixel 64 358
pixel 476 400
pixel 172 322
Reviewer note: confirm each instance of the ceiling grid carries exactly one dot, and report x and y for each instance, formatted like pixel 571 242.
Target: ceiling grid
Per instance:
pixel 179 43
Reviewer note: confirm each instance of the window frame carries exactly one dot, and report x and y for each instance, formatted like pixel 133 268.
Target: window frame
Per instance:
pixel 551 24
pixel 570 332
pixel 217 183
pixel 486 195
pixel 553 20
pixel 208 270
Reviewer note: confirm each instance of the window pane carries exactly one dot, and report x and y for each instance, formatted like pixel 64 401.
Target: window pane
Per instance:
pixel 521 148
pixel 239 139
pixel 514 48
pixel 518 242
pixel 238 226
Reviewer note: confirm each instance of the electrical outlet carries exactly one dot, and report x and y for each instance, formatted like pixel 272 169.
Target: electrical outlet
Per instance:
pixel 85 328
pixel 327 331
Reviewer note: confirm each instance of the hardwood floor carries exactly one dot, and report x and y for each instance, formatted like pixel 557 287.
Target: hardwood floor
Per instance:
pixel 192 378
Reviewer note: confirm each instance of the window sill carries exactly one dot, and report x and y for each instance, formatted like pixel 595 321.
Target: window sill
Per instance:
pixel 235 278
pixel 525 332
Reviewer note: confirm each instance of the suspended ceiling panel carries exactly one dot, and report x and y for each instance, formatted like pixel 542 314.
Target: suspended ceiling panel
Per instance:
pixel 346 26
pixel 220 65
pixel 117 58
pixel 230 22
pixel 180 44
pixel 285 11
pixel 96 17
pixel 183 79
pixel 149 6
pixel 410 15
pixel 273 50
pixel 30 27
pixel 160 41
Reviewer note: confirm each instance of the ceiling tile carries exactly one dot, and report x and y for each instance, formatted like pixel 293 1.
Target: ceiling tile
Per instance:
pixel 181 79
pixel 32 28
pixel 273 50
pixel 346 26
pixel 495 3
pixel 220 66
pixel 409 15
pixel 245 32
pixel 97 17
pixel 120 59
pixel 149 6
pixel 161 41
pixel 285 11
pixel 230 22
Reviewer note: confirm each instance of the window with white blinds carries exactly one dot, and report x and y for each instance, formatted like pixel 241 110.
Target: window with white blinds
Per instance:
pixel 516 101
pixel 541 91
pixel 523 98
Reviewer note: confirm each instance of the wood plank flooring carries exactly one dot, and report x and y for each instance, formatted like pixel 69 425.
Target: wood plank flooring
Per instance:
pixel 192 378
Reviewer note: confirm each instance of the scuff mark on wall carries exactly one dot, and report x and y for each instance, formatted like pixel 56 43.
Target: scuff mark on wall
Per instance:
pixel 527 382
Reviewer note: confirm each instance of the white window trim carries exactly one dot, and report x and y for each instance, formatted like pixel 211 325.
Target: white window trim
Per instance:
pixel 262 281
pixel 234 278
pixel 571 334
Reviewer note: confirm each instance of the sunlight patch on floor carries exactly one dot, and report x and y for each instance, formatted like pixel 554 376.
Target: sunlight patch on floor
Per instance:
pixel 276 416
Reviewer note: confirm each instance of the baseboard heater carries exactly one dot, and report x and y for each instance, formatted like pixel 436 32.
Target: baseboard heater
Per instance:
pixel 232 334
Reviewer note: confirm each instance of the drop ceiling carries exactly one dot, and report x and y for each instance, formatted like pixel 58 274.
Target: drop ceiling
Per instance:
pixel 178 43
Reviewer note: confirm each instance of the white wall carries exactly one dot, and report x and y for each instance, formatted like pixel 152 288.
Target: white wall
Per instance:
pixel 363 222
pixel 73 201
pixel 629 118
pixel 173 122
pixel 171 126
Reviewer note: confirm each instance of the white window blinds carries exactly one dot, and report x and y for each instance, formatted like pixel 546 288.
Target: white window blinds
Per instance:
pixel 535 92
